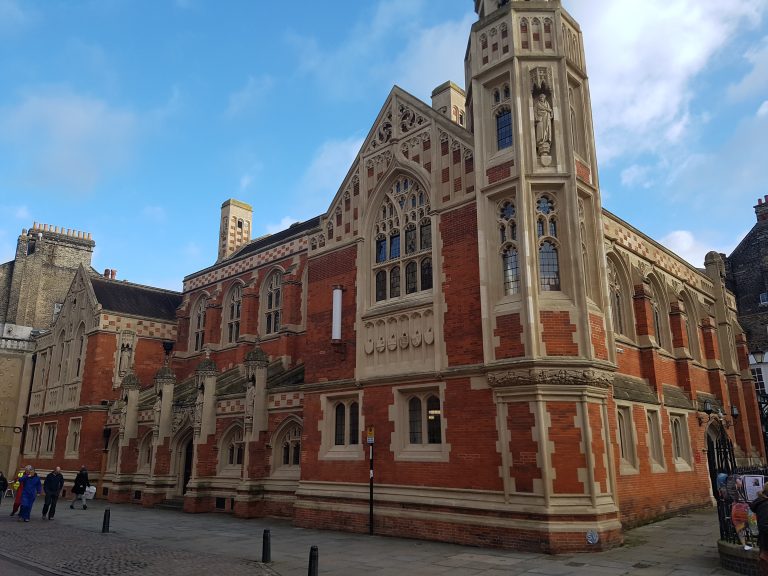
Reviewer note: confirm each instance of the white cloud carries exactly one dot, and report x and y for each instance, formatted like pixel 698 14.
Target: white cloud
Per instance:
pixel 65 140
pixel 245 181
pixel 432 56
pixel 155 213
pixel 693 248
pixel 21 213
pixel 325 173
pixel 763 110
pixel 636 175
pixel 11 15
pixel 282 225
pixel 756 80
pixel 429 55
pixel 641 83
pixel 247 97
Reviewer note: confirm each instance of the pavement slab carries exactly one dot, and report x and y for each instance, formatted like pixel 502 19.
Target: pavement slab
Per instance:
pixel 152 542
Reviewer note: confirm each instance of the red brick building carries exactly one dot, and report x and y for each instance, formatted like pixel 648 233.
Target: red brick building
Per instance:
pixel 533 369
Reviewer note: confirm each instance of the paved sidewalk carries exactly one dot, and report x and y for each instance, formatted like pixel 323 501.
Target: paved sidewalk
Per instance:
pixel 148 542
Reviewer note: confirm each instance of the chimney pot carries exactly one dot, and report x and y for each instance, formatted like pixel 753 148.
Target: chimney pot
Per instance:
pixel 112 274
pixel 106 272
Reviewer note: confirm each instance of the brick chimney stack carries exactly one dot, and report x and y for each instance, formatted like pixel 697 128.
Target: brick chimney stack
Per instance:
pixel 761 210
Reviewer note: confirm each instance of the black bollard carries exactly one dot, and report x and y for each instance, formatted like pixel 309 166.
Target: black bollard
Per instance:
pixel 313 560
pixel 266 548
pixel 105 524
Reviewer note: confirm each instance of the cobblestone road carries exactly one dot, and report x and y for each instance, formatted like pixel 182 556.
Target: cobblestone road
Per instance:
pixel 70 551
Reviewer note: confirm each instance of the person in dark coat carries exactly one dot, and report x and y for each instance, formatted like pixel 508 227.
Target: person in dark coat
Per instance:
pixel 30 488
pixel 760 507
pixel 81 483
pixel 52 486
pixel 3 486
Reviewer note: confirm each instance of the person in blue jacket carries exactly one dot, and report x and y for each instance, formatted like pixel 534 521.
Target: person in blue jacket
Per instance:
pixel 30 488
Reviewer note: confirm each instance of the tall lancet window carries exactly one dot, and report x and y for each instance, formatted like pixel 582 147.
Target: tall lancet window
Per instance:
pixel 502 114
pixel 510 259
pixel 402 249
pixel 198 324
pixel 273 304
pixel 546 233
pixel 234 304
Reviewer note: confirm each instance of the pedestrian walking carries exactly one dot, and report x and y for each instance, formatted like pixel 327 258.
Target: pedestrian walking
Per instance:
pixel 3 487
pixel 52 487
pixel 81 483
pixel 30 488
pixel 17 488
pixel 760 507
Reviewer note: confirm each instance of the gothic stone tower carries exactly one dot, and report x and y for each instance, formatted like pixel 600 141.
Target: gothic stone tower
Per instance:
pixel 546 339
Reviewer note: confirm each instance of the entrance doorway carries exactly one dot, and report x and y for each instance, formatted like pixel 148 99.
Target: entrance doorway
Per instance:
pixel 188 457
pixel 720 457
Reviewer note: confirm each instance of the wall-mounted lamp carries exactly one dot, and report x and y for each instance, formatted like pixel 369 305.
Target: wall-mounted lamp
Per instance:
pixel 710 414
pixel 758 355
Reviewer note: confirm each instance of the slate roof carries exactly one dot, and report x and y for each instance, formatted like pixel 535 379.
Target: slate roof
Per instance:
pixel 675 397
pixel 635 389
pixel 134 299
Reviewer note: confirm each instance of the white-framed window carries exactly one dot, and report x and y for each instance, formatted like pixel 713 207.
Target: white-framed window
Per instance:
pixel 232 452
pixel 763 298
pixel 233 310
pixel 420 423
pixel 73 436
pixel 49 438
pixel 198 324
pixel 757 374
pixel 655 443
pixel 340 427
pixel 546 235
pixel 625 438
pixel 273 303
pixel 33 440
pixel 681 444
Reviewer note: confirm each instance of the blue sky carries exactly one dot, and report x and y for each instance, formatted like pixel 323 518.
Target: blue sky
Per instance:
pixel 135 120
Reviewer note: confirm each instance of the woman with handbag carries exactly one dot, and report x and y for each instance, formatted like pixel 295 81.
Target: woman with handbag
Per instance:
pixel 81 483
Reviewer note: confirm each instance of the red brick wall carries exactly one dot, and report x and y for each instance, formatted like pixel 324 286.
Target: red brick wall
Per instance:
pixel 567 453
pixel 522 447
pixel 500 172
pixel 99 369
pixel 557 333
pixel 323 361
pixel 597 332
pixel 462 328
pixel 509 331
pixel 599 447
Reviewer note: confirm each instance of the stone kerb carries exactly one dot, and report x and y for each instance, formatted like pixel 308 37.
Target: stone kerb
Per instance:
pixel 733 557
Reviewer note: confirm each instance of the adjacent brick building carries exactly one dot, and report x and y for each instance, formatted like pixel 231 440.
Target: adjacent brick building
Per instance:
pixel 531 367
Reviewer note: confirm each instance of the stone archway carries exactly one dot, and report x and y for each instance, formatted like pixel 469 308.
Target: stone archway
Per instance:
pixel 183 460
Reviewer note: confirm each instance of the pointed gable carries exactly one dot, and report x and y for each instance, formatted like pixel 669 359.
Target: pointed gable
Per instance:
pixel 409 136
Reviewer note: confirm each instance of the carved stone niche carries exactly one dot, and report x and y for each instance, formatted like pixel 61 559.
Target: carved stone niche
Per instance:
pixel 124 356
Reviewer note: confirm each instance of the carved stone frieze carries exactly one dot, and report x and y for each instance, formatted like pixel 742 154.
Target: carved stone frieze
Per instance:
pixel 401 337
pixel 540 377
pixel 409 120
pixel 382 134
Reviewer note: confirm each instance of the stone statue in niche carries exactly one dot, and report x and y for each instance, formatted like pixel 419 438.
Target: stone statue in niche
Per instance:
pixel 250 396
pixel 543 119
pixel 125 359
pixel 541 81
pixel 156 411
pixel 199 408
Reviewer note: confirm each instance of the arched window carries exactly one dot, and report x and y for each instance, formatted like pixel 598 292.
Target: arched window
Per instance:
pixel 234 305
pixel 403 242
pixel 690 324
pixel 60 356
pixel 232 451
pixel 659 315
pixel 346 423
pixel 273 303
pixel 546 232
pixel 503 128
pixel 198 324
pixel 145 454
pixel 425 419
pixel 510 266
pixel 619 292
pixel 80 344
